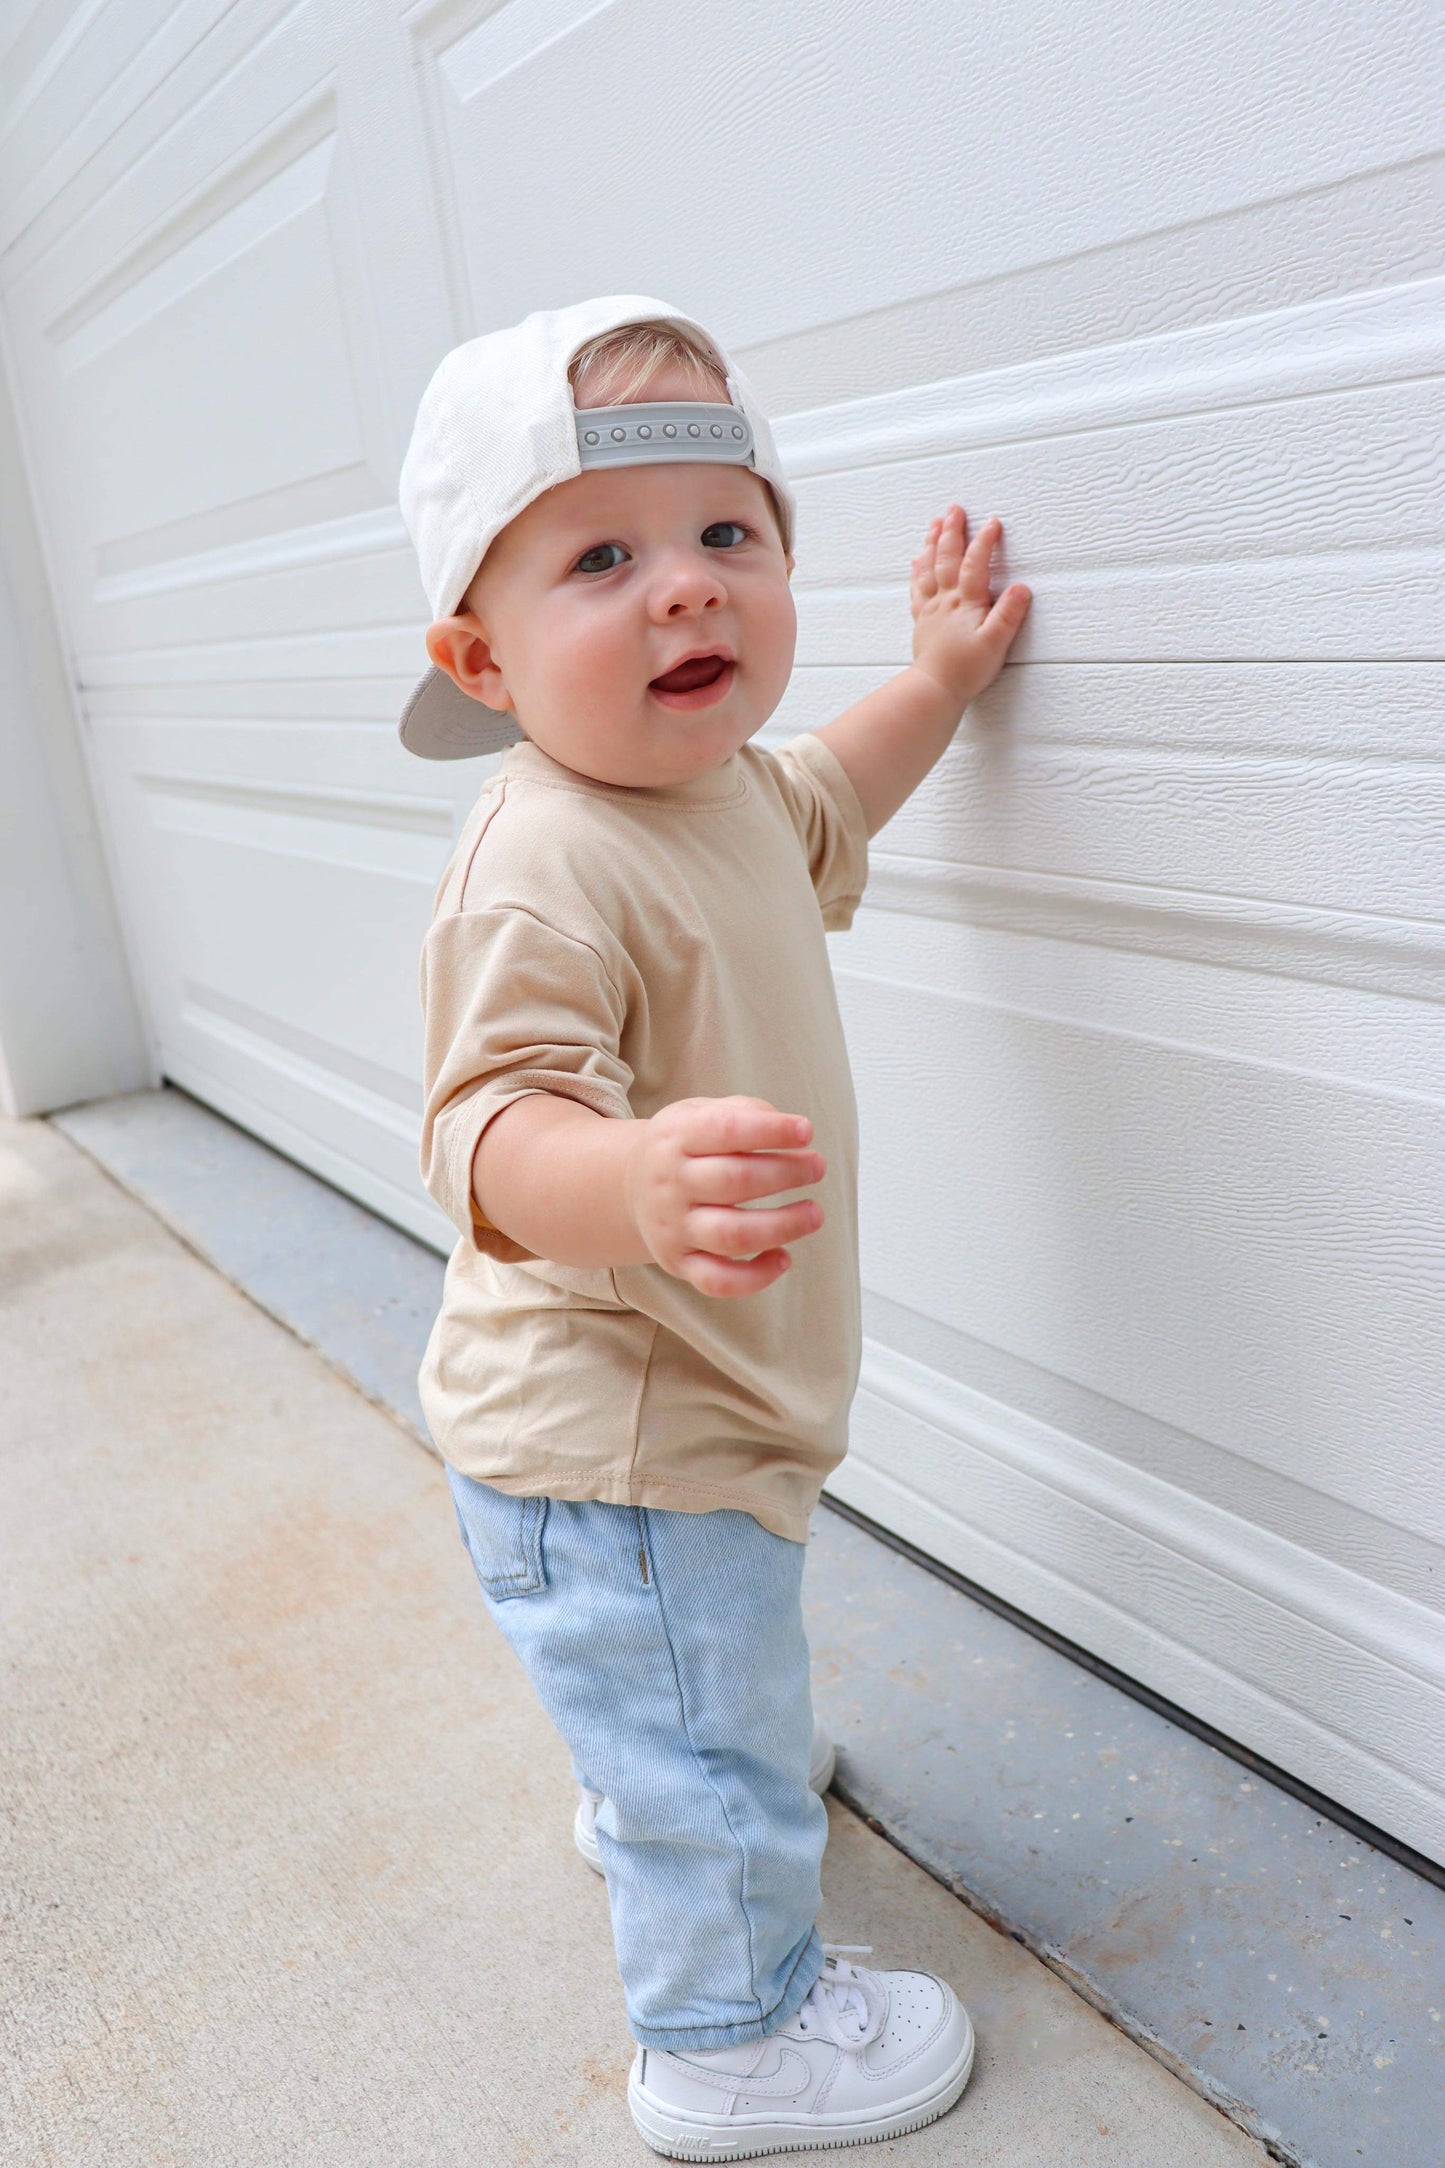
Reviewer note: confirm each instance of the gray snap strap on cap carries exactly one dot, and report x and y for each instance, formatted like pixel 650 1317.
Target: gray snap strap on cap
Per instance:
pixel 650 434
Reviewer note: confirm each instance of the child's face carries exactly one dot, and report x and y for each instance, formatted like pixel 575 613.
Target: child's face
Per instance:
pixel 591 599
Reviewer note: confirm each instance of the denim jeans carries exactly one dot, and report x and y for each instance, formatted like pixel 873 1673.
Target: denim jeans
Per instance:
pixel 668 1649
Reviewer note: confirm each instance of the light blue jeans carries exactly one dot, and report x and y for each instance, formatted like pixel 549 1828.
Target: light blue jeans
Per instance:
pixel 668 1649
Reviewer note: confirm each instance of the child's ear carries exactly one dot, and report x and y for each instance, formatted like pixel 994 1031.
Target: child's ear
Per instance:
pixel 459 646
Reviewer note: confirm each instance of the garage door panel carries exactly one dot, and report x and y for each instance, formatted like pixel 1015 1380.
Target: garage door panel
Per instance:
pixel 1237 1250
pixel 1322 476
pixel 1285 1505
pixel 261 908
pixel 1353 834
pixel 1182 131
pixel 176 430
pixel 1324 607
pixel 317 577
pixel 1223 493
pixel 274 743
pixel 231 880
pixel 177 407
pixel 145 70
pixel 1354 1035
pixel 183 143
pixel 58 72
pixel 325 657
pixel 1312 709
pixel 1376 230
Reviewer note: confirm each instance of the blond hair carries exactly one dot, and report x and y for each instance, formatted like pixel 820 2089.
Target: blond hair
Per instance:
pixel 618 367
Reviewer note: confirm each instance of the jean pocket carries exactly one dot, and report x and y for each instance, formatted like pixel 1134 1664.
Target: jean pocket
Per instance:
pixel 503 1534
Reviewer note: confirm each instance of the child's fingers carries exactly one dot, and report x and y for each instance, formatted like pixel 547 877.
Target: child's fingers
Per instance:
pixel 1012 604
pixel 732 1231
pixel 978 563
pixel 924 583
pixel 1007 614
pixel 724 1276
pixel 952 529
pixel 743 1177
pixel 710 1126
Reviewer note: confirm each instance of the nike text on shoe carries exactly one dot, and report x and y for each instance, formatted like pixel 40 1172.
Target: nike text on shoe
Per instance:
pixel 822 1758
pixel 868 2055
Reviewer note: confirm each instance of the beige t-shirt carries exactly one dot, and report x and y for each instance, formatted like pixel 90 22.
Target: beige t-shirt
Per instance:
pixel 627 948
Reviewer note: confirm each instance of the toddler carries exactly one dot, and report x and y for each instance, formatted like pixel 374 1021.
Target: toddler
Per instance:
pixel 639 1115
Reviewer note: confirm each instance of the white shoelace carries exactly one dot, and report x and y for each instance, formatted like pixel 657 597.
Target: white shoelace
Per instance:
pixel 847 2004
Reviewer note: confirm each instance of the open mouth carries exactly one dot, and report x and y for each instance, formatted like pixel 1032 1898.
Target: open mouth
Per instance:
pixel 695 682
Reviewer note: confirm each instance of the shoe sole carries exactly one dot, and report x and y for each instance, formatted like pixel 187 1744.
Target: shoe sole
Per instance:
pixel 818 1781
pixel 585 1841
pixel 678 2136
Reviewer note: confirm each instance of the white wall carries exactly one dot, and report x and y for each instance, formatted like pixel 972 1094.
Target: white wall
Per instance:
pixel 69 1027
pixel 1145 1006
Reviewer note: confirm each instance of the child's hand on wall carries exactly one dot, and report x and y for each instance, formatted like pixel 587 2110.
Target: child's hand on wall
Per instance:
pixel 888 740
pixel 958 638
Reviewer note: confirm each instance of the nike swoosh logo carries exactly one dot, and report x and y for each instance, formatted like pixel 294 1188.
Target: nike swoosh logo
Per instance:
pixel 790 2076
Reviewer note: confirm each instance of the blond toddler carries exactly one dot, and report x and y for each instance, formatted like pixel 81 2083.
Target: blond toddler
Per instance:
pixel 639 1116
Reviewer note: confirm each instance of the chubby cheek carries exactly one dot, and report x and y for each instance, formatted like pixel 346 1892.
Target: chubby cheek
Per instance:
pixel 770 632
pixel 588 670
pixel 575 679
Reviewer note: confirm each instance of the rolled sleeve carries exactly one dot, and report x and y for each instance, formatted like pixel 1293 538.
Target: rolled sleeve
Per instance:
pixel 826 812
pixel 512 1006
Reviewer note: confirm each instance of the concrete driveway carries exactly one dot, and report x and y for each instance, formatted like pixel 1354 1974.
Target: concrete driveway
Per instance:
pixel 289 1877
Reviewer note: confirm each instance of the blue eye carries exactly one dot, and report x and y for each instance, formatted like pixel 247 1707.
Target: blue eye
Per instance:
pixel 724 534
pixel 603 557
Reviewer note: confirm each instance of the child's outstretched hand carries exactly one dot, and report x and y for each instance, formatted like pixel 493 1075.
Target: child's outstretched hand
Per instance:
pixel 958 638
pixel 698 1171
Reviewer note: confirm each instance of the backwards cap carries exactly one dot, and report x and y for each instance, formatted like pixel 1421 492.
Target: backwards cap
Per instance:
pixel 497 426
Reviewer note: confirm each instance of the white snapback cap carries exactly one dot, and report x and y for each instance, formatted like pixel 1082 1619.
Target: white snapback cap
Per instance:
pixel 497 426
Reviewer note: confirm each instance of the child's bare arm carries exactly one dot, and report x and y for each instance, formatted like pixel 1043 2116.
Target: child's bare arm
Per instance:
pixel 678 1189
pixel 892 737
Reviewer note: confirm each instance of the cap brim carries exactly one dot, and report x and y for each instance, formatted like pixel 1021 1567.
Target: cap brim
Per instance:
pixel 441 722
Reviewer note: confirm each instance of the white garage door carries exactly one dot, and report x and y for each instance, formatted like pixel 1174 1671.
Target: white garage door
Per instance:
pixel 1145 1008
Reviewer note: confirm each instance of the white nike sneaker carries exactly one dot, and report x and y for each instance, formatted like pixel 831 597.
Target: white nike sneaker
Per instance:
pixel 822 1760
pixel 868 2055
